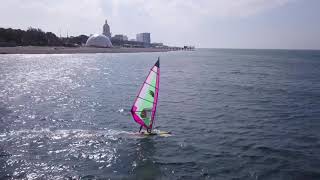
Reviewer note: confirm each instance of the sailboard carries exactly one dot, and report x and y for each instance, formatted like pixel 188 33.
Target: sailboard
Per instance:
pixel 145 105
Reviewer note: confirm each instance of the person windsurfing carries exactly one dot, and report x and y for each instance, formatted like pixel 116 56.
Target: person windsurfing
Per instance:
pixel 145 105
pixel 144 116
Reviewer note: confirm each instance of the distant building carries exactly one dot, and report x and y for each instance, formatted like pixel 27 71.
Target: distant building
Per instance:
pixel 120 37
pixel 144 37
pixel 157 45
pixel 132 39
pixel 106 30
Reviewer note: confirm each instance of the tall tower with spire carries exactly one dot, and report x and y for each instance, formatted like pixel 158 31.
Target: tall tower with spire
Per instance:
pixel 106 30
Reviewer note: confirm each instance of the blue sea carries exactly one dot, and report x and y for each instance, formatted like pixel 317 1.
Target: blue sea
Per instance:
pixel 233 114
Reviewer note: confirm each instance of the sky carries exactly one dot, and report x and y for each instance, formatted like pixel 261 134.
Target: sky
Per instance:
pixel 257 24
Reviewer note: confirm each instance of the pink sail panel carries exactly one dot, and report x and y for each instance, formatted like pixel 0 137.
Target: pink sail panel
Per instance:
pixel 145 105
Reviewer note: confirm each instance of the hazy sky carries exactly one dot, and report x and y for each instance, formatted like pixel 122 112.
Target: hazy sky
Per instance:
pixel 290 24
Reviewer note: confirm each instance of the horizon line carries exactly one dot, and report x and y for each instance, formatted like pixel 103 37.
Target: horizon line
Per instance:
pixel 294 49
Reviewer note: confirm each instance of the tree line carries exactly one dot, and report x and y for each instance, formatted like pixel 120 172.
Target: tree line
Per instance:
pixel 36 37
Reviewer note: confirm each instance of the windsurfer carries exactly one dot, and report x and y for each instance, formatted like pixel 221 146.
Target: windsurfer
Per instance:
pixel 144 107
pixel 144 115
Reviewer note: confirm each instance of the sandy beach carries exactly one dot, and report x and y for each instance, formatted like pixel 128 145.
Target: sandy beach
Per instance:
pixel 73 50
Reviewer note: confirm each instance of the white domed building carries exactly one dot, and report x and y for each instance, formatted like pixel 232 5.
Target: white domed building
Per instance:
pixel 99 40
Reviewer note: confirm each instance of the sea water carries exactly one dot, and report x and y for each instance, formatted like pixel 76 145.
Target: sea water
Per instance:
pixel 233 114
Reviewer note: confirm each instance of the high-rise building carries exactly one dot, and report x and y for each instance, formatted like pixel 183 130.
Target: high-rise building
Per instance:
pixel 106 30
pixel 144 37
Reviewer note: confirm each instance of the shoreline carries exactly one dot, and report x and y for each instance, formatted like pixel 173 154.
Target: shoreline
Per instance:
pixel 74 50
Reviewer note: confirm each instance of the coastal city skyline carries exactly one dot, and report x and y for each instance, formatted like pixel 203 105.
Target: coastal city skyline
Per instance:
pixel 144 37
pixel 280 24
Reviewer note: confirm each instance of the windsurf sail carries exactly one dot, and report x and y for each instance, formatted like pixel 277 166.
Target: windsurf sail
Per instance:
pixel 145 105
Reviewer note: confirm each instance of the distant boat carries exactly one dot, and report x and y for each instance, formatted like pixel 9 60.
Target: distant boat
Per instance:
pixel 145 105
